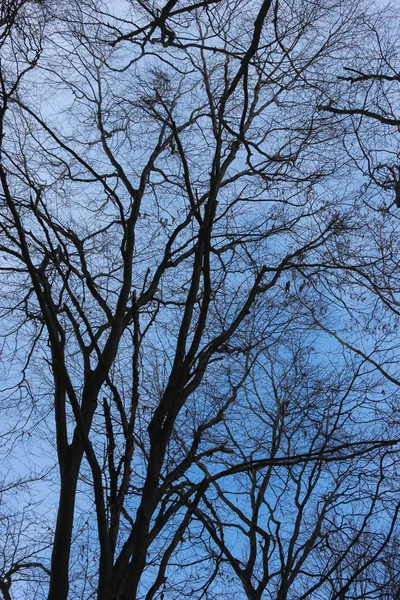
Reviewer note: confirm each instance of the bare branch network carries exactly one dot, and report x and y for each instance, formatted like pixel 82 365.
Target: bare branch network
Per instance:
pixel 200 300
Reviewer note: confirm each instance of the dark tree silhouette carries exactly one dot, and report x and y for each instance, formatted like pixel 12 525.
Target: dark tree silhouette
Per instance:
pixel 200 387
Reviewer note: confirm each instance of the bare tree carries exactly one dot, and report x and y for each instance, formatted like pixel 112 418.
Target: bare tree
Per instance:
pixel 176 219
pixel 294 529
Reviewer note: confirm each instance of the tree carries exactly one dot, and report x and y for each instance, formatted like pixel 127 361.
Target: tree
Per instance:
pixel 179 222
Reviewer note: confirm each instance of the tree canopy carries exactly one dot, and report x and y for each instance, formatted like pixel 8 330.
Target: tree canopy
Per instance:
pixel 200 300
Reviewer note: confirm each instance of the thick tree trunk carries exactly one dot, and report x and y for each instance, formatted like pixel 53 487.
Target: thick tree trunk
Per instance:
pixel 59 579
